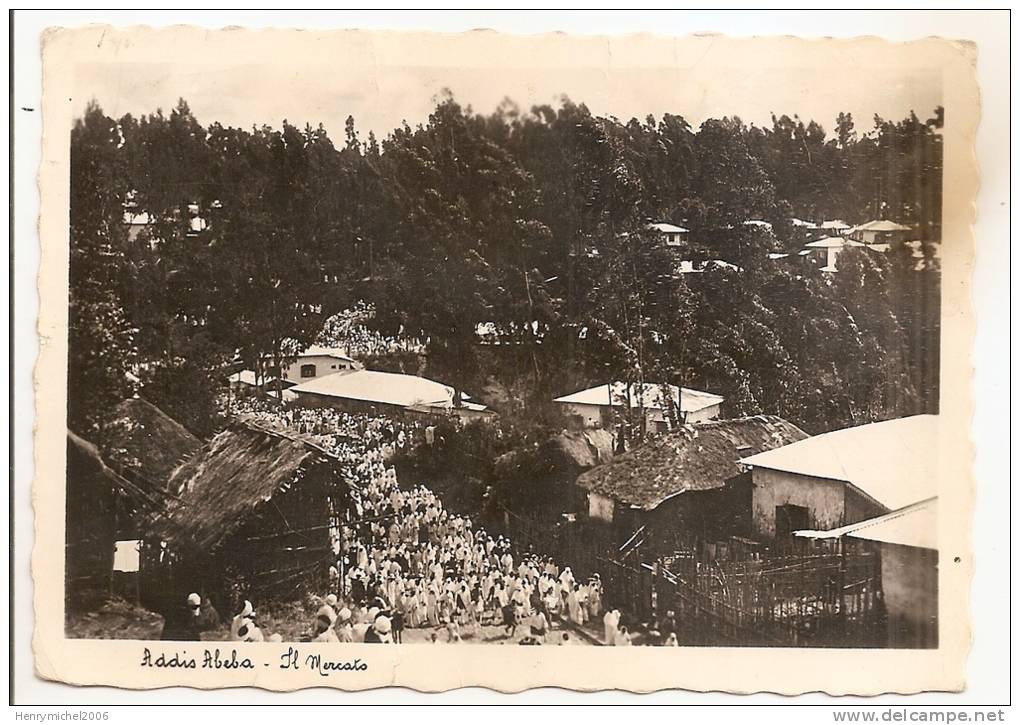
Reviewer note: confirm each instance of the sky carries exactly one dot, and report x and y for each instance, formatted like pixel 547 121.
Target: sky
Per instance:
pixel 383 79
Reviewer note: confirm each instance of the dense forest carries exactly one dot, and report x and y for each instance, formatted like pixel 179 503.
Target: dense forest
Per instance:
pixel 533 221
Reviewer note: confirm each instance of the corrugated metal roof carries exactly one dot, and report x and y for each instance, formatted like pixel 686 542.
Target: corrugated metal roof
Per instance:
pixel 690 399
pixel 372 386
pixel 893 461
pixel 881 225
pixel 667 228
pixel 834 243
pixel 698 457
pixel 913 525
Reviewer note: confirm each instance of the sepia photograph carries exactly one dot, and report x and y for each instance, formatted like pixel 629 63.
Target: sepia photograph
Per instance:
pixel 466 343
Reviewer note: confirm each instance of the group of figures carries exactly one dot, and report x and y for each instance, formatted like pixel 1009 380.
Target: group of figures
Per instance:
pixel 407 563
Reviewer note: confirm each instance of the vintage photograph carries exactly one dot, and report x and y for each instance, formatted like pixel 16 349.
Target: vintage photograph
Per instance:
pixel 509 351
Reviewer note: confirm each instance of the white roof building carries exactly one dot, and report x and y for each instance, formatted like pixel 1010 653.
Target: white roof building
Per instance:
pixel 881 225
pixel 834 243
pixel 674 236
pixel 892 462
pixel 652 399
pixel 667 228
pixel 379 388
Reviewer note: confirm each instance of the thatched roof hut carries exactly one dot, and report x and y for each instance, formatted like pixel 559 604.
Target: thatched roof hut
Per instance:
pixel 258 506
pixel 147 442
pixel 697 457
pixel 242 468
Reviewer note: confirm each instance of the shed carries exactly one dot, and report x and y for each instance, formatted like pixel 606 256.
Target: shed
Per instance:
pixel 550 468
pixel 259 512
pixel 907 539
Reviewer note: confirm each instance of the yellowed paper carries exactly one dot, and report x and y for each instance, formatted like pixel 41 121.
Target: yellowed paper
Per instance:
pixel 693 76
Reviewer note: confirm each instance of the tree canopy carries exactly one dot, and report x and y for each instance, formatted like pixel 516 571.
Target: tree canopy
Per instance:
pixel 532 222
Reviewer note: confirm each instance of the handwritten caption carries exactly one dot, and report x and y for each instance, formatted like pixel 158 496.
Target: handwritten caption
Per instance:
pixel 230 659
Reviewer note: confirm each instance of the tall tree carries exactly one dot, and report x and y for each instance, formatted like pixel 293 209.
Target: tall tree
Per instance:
pixel 101 349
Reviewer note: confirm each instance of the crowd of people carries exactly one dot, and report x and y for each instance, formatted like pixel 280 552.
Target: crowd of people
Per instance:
pixel 349 331
pixel 407 563
pixel 420 566
pixel 353 437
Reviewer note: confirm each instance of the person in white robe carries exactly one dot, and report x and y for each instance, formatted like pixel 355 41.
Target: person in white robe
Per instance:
pixel 322 628
pixel 610 621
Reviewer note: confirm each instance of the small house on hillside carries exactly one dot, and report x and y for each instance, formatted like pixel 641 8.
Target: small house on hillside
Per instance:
pixel 671 234
pixel 316 362
pixel 907 539
pixel 371 391
pixel 247 382
pixel 594 407
pixel 259 514
pixel 880 231
pixel 843 477
pixel 103 507
pixel 687 483
pixel 827 250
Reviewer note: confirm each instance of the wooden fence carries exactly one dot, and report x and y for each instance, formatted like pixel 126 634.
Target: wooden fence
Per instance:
pixel 728 592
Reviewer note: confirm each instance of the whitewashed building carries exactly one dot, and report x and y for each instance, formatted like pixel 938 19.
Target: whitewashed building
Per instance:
pixel 375 391
pixel 673 235
pixel 593 407
pixel 845 476
pixel 316 362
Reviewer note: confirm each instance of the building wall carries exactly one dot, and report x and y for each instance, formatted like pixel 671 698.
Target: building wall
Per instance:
pixel 873 237
pixel 824 499
pixel 470 416
pixel 910 589
pixel 284 547
pixel 590 415
pixel 324 365
pixel 315 400
pixel 600 507
pixel 859 508
pixel 597 416
pixel 712 412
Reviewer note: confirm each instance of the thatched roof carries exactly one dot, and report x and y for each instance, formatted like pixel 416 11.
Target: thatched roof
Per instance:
pixel 697 457
pixel 235 472
pixel 83 460
pixel 150 441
